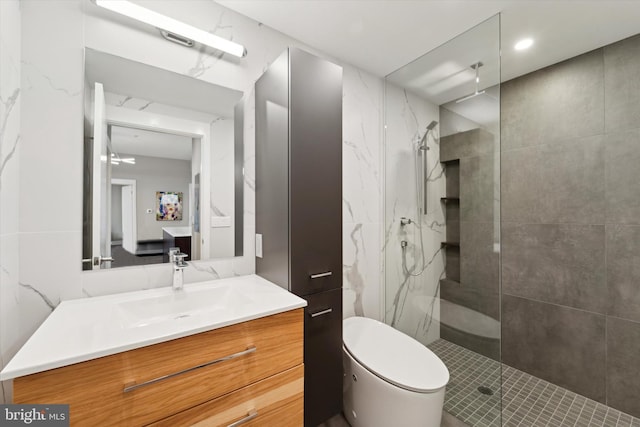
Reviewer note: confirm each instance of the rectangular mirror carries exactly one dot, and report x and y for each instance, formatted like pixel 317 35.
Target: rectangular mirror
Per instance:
pixel 163 157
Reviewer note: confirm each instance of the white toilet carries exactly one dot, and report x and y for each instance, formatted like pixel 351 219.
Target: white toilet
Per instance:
pixel 390 378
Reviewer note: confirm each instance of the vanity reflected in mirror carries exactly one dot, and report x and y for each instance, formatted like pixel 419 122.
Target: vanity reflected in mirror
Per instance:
pixel 163 158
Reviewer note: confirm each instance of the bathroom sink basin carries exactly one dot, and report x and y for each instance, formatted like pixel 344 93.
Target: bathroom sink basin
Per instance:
pixel 115 323
pixel 177 305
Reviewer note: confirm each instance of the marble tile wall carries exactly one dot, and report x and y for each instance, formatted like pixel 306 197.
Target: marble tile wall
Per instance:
pixel 50 149
pixel 412 302
pixel 571 224
pixel 10 147
pixel 362 187
pixel 50 203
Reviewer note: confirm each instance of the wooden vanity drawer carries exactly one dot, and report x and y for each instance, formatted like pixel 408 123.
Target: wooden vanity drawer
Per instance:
pixel 96 389
pixel 254 403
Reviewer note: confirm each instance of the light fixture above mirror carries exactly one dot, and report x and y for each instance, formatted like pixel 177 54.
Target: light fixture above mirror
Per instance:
pixel 172 29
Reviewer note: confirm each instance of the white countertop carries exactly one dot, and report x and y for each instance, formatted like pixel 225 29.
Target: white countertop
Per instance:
pixel 85 329
pixel 178 231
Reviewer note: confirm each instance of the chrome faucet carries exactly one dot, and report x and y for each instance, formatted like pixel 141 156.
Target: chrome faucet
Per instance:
pixel 177 258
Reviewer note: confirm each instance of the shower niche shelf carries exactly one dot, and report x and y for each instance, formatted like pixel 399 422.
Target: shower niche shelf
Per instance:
pixel 451 207
pixel 450 245
pixel 448 282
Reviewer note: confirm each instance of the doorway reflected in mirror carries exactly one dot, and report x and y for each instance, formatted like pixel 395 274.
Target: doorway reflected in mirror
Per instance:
pixel 162 161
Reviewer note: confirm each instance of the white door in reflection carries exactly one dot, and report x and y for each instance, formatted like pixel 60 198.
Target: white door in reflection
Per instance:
pixel 101 220
pixel 123 216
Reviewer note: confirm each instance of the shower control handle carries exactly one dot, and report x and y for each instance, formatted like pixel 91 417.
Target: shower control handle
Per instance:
pixel 405 221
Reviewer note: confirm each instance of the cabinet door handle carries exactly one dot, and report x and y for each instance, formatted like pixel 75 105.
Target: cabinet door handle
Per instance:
pixel 320 313
pixel 251 415
pixel 319 275
pixel 132 387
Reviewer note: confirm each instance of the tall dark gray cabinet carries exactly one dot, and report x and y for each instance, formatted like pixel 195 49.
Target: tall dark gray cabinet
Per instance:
pixel 299 209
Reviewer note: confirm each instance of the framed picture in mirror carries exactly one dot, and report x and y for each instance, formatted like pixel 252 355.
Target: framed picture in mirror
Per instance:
pixel 168 206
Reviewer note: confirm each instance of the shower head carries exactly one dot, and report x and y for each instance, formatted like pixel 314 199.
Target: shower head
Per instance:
pixel 475 67
pixel 422 145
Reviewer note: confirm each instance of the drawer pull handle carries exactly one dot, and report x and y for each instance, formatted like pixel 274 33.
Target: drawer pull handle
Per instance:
pixel 251 415
pixel 132 387
pixel 319 275
pixel 320 313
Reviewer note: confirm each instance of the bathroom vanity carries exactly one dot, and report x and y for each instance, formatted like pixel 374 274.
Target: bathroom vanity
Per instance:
pixel 227 352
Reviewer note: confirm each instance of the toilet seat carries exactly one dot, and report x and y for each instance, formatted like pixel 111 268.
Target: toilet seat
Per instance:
pixel 394 356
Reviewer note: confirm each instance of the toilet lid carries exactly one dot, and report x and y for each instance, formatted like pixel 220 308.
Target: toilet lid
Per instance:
pixel 394 356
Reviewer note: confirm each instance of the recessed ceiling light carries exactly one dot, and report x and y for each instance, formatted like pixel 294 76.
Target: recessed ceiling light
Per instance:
pixel 523 44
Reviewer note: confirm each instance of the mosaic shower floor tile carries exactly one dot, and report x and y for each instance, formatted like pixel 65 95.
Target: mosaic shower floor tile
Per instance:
pixel 527 401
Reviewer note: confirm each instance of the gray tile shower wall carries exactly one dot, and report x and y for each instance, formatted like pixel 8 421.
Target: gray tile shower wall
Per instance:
pixel 571 224
pixel 621 176
pixel 561 181
pixel 479 268
pixel 623 353
pixel 555 263
pixel 476 188
pixel 621 84
pixel 556 343
pixel 559 102
pixel 472 143
pixel 623 278
pixel 476 285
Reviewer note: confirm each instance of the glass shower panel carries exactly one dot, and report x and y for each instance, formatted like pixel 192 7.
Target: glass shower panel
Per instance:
pixel 442 214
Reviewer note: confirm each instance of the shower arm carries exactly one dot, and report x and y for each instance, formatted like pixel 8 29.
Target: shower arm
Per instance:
pixel 476 67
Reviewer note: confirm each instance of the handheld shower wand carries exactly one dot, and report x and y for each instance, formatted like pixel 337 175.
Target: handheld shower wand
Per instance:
pixel 422 145
pixel 420 163
pixel 421 167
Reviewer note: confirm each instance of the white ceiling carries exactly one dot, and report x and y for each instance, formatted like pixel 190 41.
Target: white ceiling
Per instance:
pixel 139 142
pixel 380 36
pixel 446 73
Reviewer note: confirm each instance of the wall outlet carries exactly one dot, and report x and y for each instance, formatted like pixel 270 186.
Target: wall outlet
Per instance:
pixel 259 245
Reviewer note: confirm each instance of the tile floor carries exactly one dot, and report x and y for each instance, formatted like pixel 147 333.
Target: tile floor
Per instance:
pixel 527 401
pixel 469 370
pixel 447 421
pixel 337 421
